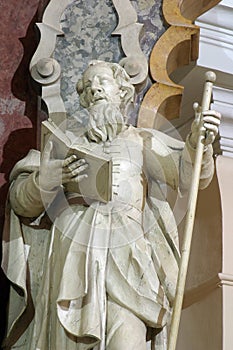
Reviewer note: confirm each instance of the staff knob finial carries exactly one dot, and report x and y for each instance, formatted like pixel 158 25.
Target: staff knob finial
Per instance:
pixel 210 76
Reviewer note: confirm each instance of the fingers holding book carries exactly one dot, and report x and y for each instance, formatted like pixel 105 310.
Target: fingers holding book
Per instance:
pixel 73 169
pixel 55 172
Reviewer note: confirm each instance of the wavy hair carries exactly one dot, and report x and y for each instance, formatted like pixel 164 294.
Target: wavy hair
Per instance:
pixel 122 79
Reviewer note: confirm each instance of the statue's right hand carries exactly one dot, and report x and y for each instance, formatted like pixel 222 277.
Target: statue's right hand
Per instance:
pixel 56 172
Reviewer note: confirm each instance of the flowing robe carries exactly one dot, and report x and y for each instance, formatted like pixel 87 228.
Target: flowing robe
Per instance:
pixel 125 250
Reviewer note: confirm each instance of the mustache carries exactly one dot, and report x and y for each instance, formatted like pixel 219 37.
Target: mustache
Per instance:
pixel 105 123
pixel 97 96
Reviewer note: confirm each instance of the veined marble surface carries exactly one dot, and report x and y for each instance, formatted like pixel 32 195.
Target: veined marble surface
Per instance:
pixel 87 27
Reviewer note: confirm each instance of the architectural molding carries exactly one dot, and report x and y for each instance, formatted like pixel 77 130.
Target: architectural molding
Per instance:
pixel 224 171
pixel 225 279
pixel 223 102
pixel 177 47
pixel 192 9
pixel 216 39
pixel 135 62
pixel 44 69
pixel 216 52
pixel 198 293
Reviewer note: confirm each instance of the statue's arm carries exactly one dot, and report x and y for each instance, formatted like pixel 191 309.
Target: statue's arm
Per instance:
pixel 27 199
pixel 171 161
pixel 31 191
pixel 187 159
pixel 209 126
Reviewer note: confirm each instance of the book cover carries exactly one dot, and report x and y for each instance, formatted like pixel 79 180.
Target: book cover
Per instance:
pixel 98 184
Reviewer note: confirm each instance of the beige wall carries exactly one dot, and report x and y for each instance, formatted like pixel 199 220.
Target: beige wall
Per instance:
pixel 207 318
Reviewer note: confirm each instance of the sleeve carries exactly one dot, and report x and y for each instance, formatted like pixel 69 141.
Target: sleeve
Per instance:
pixel 187 162
pixel 27 199
pixel 171 161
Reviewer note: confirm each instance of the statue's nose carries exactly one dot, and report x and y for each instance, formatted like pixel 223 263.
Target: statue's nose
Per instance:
pixel 96 86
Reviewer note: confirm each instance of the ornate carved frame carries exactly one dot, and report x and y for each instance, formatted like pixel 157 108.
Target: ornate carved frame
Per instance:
pixel 178 46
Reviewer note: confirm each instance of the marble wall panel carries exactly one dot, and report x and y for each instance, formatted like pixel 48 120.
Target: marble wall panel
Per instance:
pixel 87 27
pixel 18 102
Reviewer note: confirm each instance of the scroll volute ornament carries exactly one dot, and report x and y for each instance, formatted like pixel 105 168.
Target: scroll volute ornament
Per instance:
pixel 129 29
pixel 177 47
pixel 192 9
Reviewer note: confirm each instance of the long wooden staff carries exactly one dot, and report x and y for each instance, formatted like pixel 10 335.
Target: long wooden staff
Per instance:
pixel 189 220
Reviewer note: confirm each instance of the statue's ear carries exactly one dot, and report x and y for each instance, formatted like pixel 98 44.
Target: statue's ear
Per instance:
pixel 123 93
pixel 127 93
pixel 79 86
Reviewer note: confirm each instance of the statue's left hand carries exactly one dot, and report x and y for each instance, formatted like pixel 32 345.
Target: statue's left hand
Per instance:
pixel 211 122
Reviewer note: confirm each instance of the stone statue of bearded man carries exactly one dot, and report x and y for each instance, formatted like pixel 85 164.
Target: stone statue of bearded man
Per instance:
pixel 106 95
pixel 104 275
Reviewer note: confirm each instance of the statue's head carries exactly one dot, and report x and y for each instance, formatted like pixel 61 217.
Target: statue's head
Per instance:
pixel 105 82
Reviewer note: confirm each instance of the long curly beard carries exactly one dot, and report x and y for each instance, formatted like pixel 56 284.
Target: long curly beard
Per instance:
pixel 105 122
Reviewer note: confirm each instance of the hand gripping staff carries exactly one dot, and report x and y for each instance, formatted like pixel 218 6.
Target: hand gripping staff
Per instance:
pixel 190 215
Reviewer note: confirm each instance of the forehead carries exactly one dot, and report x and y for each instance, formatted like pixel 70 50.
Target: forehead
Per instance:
pixel 98 69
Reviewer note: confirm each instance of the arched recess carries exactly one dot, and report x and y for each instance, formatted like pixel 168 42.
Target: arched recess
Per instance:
pixel 177 47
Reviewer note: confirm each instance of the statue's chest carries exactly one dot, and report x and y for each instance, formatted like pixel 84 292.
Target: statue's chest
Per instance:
pixel 126 155
pixel 128 179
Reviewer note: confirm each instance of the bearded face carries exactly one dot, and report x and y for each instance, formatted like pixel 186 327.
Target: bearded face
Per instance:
pixel 102 96
pixel 99 86
pixel 105 122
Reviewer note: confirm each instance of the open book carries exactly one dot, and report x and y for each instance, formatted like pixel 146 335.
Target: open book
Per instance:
pixel 98 184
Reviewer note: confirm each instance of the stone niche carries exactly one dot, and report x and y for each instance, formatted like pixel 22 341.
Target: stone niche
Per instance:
pixel 97 30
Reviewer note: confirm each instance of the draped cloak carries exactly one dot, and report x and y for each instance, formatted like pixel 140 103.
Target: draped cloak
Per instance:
pixel 125 250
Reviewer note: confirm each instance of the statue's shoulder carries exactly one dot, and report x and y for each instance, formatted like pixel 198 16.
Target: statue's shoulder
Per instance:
pixel 160 137
pixel 29 163
pixel 146 134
